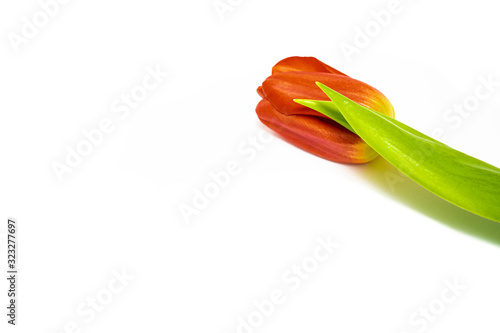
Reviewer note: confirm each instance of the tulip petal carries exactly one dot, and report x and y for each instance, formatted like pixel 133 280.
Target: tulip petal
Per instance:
pixel 281 89
pixel 320 136
pixel 303 64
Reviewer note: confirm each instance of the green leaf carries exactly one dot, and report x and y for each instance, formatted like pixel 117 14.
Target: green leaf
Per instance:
pixel 327 108
pixel 463 180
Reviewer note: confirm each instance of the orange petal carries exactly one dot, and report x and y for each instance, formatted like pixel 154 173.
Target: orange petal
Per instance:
pixel 260 92
pixel 282 88
pixel 303 64
pixel 320 136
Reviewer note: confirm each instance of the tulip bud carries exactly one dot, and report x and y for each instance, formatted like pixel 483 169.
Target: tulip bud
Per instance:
pixel 295 78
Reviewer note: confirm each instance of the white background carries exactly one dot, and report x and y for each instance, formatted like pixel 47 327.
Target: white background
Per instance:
pixel 118 210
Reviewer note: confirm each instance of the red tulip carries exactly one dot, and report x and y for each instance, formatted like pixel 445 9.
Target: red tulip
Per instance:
pixel 295 78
